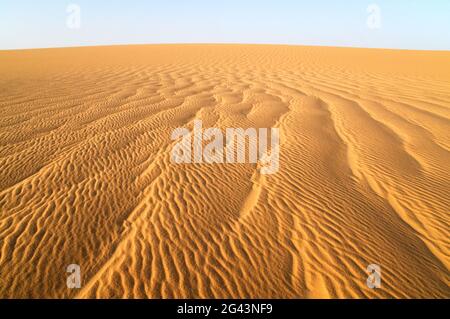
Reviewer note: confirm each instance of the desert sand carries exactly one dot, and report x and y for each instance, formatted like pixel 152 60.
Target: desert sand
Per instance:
pixel 86 176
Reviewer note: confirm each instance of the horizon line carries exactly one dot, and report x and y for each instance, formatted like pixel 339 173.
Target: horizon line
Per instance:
pixel 222 43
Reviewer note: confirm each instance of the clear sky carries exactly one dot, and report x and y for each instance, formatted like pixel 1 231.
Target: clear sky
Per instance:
pixel 407 24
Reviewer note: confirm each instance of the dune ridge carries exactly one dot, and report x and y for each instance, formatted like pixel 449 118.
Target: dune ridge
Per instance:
pixel 86 175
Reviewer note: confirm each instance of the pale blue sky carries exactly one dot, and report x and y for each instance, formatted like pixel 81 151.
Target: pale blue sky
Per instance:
pixel 407 24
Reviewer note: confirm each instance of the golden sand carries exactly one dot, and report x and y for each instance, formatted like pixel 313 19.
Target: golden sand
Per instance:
pixel 86 176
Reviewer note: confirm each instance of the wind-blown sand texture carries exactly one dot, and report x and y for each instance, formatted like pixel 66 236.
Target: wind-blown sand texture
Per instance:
pixel 86 176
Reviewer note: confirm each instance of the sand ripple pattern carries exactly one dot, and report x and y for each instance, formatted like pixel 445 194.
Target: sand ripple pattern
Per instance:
pixel 86 175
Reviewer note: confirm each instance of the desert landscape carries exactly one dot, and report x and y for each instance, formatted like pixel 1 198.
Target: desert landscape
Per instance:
pixel 86 176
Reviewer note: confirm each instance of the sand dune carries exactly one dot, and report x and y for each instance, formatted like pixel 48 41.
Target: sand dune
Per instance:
pixel 86 175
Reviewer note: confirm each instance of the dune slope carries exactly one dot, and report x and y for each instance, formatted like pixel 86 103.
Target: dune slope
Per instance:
pixel 86 176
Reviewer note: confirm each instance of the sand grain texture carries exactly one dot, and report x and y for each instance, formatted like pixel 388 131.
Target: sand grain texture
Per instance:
pixel 86 175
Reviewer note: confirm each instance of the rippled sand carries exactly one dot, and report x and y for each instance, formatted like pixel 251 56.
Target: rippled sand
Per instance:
pixel 86 176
